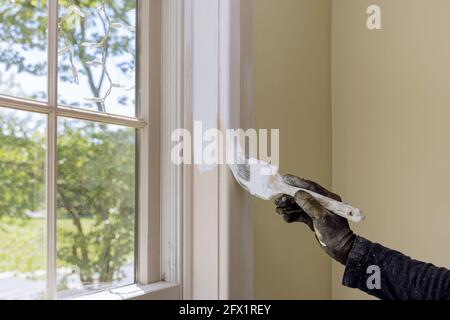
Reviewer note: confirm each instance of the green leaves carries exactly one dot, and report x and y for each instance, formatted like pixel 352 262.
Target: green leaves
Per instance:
pixel 95 198
pixel 22 158
pixel 96 183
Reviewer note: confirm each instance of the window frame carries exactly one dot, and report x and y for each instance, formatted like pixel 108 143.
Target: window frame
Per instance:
pixel 217 224
pixel 158 219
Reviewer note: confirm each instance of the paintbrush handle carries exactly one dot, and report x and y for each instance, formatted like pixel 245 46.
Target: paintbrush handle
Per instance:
pixel 340 208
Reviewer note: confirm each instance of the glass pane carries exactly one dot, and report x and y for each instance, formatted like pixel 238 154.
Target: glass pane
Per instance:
pixel 23 49
pixel 96 206
pixel 22 205
pixel 97 55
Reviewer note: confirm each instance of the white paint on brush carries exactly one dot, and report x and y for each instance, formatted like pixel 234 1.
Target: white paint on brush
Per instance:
pixel 269 186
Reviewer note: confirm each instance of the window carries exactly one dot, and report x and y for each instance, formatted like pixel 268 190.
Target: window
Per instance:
pixel 74 134
pixel 22 204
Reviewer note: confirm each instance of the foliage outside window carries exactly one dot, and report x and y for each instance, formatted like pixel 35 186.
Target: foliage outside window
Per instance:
pixel 96 162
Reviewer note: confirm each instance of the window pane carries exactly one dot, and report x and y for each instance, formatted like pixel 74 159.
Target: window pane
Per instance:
pixel 23 49
pixel 22 205
pixel 96 206
pixel 97 46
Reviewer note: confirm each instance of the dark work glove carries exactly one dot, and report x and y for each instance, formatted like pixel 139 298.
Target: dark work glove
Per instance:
pixel 332 231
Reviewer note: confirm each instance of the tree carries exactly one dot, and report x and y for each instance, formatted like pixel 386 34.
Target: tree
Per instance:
pixel 94 37
pixel 91 34
pixel 22 160
pixel 96 190
pixel 96 181
pixel 96 162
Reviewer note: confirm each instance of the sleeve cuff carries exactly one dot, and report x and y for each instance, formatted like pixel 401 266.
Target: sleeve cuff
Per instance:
pixel 357 262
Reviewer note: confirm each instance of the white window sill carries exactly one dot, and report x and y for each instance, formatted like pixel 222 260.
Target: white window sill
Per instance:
pixel 155 291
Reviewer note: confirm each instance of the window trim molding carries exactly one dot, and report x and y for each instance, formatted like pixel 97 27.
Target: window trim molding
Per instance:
pixel 72 113
pixel 155 291
pixel 51 154
pixel 172 18
pixel 217 226
pixel 162 73
pixel 187 174
pixel 149 101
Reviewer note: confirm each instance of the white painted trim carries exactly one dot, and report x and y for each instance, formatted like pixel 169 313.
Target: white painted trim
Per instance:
pixel 171 119
pixel 155 291
pixel 160 197
pixel 235 236
pixel 148 270
pixel 69 112
pixel 51 155
pixel 235 252
pixel 143 273
pixel 52 53
pixel 187 175
pixel 94 116
pixel 204 189
pixel 217 224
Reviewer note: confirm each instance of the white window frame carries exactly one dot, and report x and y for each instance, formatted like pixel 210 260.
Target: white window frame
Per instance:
pixel 186 248
pixel 158 219
pixel 217 226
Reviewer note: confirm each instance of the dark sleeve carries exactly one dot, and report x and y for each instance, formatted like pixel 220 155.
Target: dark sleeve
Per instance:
pixel 401 278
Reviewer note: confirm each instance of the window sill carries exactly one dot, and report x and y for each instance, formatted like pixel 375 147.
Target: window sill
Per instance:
pixel 155 291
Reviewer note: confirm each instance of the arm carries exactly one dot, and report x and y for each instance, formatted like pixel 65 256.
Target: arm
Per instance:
pixel 400 277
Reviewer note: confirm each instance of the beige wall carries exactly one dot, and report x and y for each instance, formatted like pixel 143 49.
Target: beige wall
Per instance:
pixel 391 132
pixel 292 92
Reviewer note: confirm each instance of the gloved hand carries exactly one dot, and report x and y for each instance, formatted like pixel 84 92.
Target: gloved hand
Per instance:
pixel 332 231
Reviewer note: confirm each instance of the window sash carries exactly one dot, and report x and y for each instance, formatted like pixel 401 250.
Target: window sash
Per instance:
pixel 72 113
pixel 147 261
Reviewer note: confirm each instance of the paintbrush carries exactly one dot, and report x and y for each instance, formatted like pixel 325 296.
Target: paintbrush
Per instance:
pixel 261 180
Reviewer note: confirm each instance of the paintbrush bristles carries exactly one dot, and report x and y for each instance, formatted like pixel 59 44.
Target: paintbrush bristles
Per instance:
pixel 244 171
